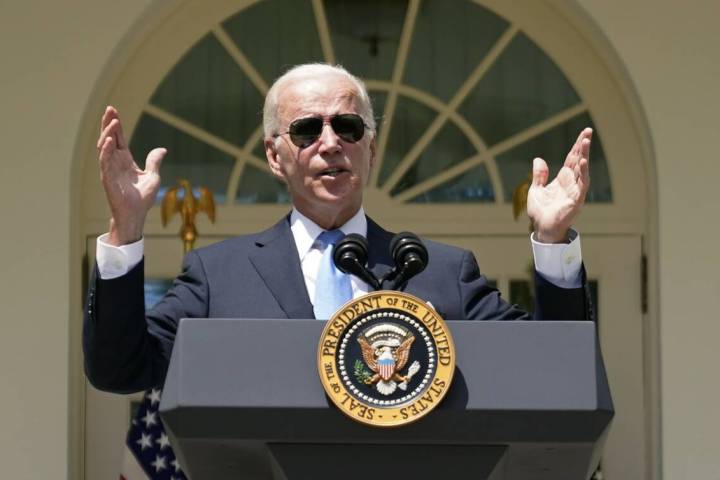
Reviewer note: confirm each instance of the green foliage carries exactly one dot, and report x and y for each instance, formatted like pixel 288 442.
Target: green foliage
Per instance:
pixel 360 373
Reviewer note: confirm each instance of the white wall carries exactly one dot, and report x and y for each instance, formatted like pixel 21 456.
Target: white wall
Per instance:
pixel 53 54
pixel 671 50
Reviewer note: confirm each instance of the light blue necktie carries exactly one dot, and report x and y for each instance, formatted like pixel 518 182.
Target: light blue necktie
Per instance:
pixel 332 287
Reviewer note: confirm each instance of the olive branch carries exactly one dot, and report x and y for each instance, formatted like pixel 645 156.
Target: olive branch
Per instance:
pixel 360 373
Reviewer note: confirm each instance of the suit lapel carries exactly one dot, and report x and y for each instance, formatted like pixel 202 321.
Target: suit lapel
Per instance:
pixel 277 262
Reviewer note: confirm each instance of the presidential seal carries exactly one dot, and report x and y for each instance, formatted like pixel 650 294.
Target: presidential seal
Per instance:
pixel 386 359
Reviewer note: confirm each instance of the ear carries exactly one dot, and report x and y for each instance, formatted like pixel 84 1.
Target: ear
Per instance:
pixel 373 152
pixel 273 158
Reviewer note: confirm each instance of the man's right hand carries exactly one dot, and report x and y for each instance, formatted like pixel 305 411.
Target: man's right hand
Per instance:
pixel 130 191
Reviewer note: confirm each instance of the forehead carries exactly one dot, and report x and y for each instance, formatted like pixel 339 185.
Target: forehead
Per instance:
pixel 316 97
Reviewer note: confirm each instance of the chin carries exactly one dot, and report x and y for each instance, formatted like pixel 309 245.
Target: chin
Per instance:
pixel 340 200
pixel 337 192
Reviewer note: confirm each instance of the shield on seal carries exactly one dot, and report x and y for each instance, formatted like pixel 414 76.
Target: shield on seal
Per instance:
pixel 386 365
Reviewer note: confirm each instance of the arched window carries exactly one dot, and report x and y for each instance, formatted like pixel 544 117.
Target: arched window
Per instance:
pixel 463 104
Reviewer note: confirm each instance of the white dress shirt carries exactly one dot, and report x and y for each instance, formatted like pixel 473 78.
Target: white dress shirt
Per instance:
pixel 558 263
pixel 306 232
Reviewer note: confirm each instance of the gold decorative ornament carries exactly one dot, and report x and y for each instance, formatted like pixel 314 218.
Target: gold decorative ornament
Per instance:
pixel 386 359
pixel 519 198
pixel 188 206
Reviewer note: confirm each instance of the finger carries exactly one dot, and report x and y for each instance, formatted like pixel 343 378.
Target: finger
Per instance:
pixel 585 172
pixel 105 132
pixel 585 133
pixel 109 113
pixel 106 150
pixel 112 131
pixel 154 159
pixel 110 118
pixel 572 156
pixel 576 151
pixel 107 117
pixel 119 134
pixel 540 172
pixel 585 148
pixel 583 178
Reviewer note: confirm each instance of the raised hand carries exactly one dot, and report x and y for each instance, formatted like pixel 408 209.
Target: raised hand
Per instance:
pixel 553 207
pixel 130 191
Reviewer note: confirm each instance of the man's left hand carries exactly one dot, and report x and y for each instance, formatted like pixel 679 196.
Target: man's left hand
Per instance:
pixel 553 207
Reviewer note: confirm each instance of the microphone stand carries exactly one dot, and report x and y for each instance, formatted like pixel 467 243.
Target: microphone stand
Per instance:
pixel 409 254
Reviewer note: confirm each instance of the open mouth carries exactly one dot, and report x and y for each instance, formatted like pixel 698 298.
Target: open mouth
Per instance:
pixel 332 172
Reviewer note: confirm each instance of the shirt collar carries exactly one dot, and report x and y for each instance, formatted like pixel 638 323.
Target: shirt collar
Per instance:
pixel 305 231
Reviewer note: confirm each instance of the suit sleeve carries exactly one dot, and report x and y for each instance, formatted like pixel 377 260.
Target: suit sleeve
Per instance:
pixel 481 301
pixel 556 303
pixel 127 350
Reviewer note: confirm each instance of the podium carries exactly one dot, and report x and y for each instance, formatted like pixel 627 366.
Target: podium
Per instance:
pixel 529 401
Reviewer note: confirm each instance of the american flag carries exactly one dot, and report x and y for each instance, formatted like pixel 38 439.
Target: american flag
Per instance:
pixel 148 454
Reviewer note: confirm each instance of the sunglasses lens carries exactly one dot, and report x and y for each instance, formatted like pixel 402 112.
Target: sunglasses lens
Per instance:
pixel 305 131
pixel 348 126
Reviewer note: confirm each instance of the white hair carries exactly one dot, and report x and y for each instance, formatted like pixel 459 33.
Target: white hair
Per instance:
pixel 271 122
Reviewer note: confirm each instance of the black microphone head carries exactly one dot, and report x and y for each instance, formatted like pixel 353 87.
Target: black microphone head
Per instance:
pixel 349 252
pixel 350 256
pixel 408 250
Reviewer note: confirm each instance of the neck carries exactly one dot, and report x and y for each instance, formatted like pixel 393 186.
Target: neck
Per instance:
pixel 329 219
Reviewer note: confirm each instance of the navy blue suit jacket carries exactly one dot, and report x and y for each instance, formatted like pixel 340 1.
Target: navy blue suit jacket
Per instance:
pixel 259 276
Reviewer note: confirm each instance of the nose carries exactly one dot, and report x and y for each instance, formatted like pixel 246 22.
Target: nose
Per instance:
pixel 329 141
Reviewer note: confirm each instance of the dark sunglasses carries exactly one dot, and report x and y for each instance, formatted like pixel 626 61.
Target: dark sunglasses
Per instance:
pixel 305 131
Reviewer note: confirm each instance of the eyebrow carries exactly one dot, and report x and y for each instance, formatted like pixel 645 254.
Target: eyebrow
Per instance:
pixel 320 115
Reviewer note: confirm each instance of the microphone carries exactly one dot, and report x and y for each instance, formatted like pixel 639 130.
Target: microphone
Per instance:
pixel 410 256
pixel 350 256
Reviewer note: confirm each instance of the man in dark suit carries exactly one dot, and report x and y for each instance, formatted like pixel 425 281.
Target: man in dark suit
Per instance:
pixel 320 140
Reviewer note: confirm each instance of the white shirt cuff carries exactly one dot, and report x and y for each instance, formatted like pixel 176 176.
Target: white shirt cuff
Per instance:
pixel 559 263
pixel 115 261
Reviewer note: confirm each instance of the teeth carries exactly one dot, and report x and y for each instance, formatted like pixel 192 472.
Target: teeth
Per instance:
pixel 331 171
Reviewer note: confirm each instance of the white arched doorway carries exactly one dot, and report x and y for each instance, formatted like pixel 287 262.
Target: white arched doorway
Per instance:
pixel 461 117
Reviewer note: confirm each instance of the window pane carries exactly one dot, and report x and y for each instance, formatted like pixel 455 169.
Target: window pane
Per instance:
pixel 448 148
pixel 187 157
pixel 471 186
pixel 410 121
pixel 259 150
pixel 443 53
pixel 275 35
pixel 365 35
pixel 522 88
pixel 258 186
pixel 378 100
pixel 208 89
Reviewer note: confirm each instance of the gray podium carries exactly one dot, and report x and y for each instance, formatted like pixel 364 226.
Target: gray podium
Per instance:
pixel 529 400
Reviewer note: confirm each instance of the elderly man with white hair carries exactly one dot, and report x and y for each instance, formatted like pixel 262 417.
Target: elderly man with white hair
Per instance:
pixel 320 140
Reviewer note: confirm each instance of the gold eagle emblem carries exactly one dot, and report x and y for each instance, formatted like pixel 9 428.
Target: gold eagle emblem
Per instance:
pixel 188 207
pixel 386 350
